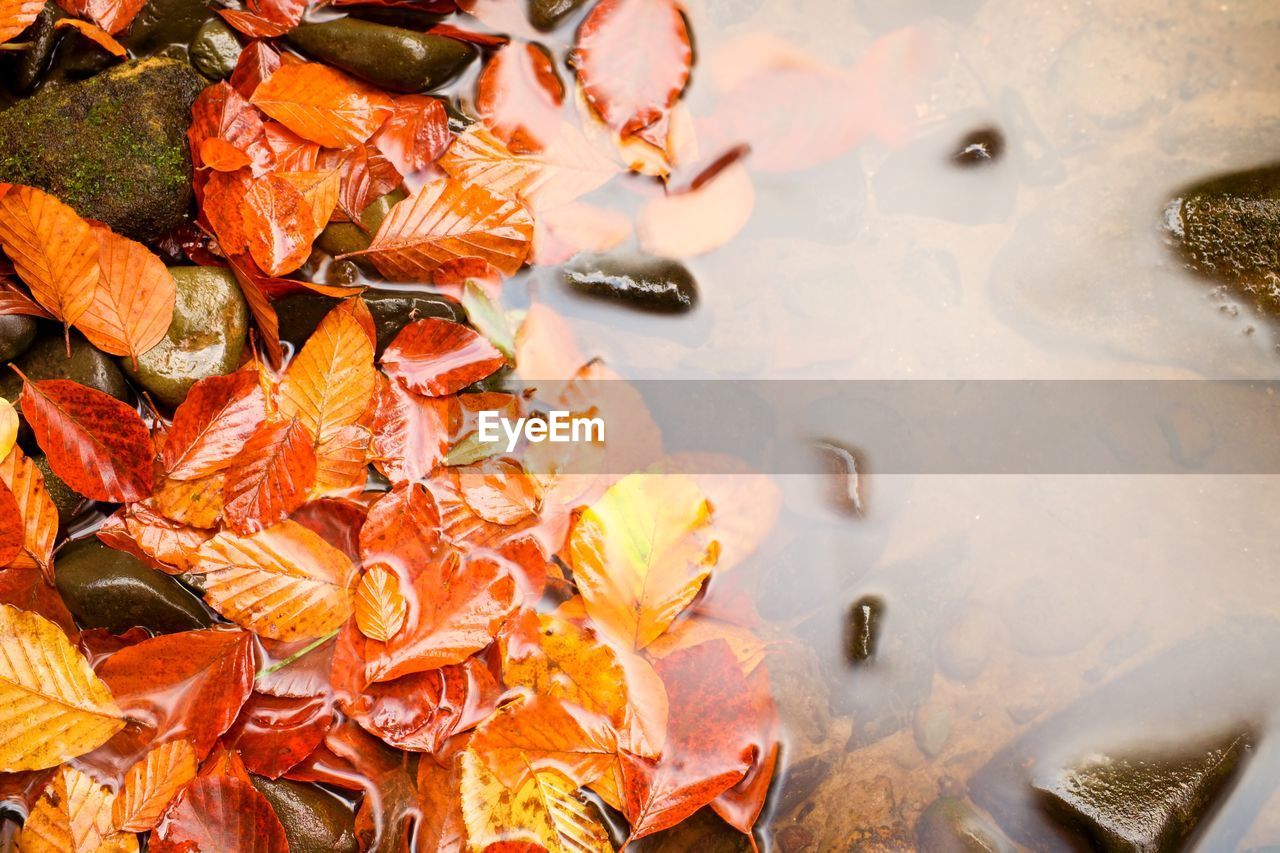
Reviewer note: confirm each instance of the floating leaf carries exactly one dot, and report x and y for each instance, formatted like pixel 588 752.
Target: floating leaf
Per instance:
pixel 151 784
pixel 380 606
pixel 638 555
pixel 285 582
pixel 499 491
pixel 410 432
pixel 132 305
pixel 112 15
pixel 52 705
pixel 488 319
pixel 438 357
pixel 519 96
pixel 220 813
pixel 74 815
pixel 53 250
pixel 328 385
pixel 554 657
pixel 167 542
pixel 279 224
pixel 227 133
pixel 699 221
pixel 270 478
pixel 446 220
pixel 15 301
pixel 99 446
pixel 39 515
pixel 212 424
pixel 543 733
pixel 257 62
pixel 322 105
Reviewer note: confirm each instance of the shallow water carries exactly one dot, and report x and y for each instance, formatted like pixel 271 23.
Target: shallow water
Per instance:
pixel 889 263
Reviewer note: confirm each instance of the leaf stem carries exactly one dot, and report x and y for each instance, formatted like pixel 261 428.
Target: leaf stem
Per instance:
pixel 310 647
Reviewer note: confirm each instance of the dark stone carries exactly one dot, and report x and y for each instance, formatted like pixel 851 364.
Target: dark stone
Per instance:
pixel 341 238
pixel 1228 229
pixel 952 825
pixel 314 820
pixel 389 57
pixel 105 588
pixel 863 629
pixel 17 331
pixel 646 283
pixel 33 62
pixel 979 148
pixel 546 15
pixel 67 500
pixel 167 26
pixel 47 359
pixel 215 49
pixel 136 174
pixel 392 310
pixel 1141 803
pixel 206 337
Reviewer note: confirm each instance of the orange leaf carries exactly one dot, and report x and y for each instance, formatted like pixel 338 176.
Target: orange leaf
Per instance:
pixel 16 16
pixel 341 461
pixel 151 784
pixel 194 502
pixel 39 515
pixel 270 477
pixel 380 606
pixel 519 96
pixel 416 134
pixel 542 732
pixel 320 189
pixel 279 224
pixel 322 105
pixel 95 34
pixel 410 432
pixel 445 220
pixel 112 15
pixel 53 250
pixel 498 490
pixel 252 285
pixel 699 221
pixel 212 424
pixel 437 357
pixel 328 384
pixel 220 813
pixel 226 132
pixel 12 531
pixel 162 540
pixel 132 305
pixel 257 62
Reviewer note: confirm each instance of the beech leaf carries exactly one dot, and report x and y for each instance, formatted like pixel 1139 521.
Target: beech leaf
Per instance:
pixel 53 250
pixel 39 515
pixel 270 477
pixel 380 606
pixel 151 784
pixel 74 815
pixel 212 424
pixel 328 384
pixel 132 305
pixel 322 105
pixel 437 357
pixel 220 813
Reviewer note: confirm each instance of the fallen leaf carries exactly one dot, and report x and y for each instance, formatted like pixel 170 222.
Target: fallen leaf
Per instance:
pixel 220 813
pixel 258 61
pixel 74 815
pixel 151 784
pixel 366 176
pixel 284 582
pixel 437 357
pixel 380 606
pixel 266 18
pixel 519 96
pixel 279 224
pixel 639 556
pixel 95 34
pixel 14 301
pixel 322 105
pixel 195 502
pixel 410 432
pixel 51 703
pixel 17 15
pixel 328 384
pixel 99 446
pixel 274 733
pixel 112 15
pixel 164 541
pixel 554 657
pixel 52 249
pixel 39 515
pixel 416 134
pixel 227 133
pixel 499 491
pixel 446 220
pixel 251 281
pixel 270 478
pixel 540 733
pixel 132 305
pixel 210 426
pixel 699 221
pixel 341 462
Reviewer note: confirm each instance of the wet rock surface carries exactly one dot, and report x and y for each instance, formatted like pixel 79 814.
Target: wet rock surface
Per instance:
pixel 1141 803
pixel 952 825
pixel 391 310
pixel 206 337
pixel 314 820
pixel 47 359
pixel 214 50
pixel 546 15
pixel 862 632
pixel 167 26
pixel 646 283
pixel 340 238
pixel 67 500
pixel 979 148
pixel 390 57
pixel 136 176
pixel 16 334
pixel 105 588
pixel 28 66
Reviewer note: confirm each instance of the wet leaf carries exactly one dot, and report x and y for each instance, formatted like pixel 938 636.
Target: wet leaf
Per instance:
pixel 195 502
pixel 17 15
pixel 488 319
pixel 543 811
pixel 266 18
pixel 279 223
pixel 270 478
pixel 554 657
pixel 639 556
pixel 252 285
pixel 341 462
pixel 543 733
pixel 410 432
pixel 12 533
pixel 95 34
pixel 52 249
pixel 499 491
pixel 112 15
pixel 633 58
pixel 151 784
pixel 328 385
pixel 132 305
pixel 226 132
pixel 74 816
pixel 446 220
pixel 437 357
pixel 416 134
pixel 367 175
pixel 51 703
pixel 220 813
pixel 380 606
pixel 519 96
pixel 166 542
pixel 285 582
pixel 99 446
pixel 322 105
pixel 15 301
pixel 257 62
pixel 274 733
pixel 212 424
pixel 39 515
pixel 699 221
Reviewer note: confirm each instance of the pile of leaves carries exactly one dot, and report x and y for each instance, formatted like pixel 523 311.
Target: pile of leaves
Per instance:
pixel 490 656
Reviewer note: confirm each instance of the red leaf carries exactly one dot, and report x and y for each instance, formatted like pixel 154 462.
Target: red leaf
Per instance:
pixel 112 15
pixel 14 301
pixel 209 428
pixel 469 36
pixel 410 432
pixel 95 443
pixel 519 96
pixel 402 531
pixel 258 61
pixel 322 105
pixel 275 733
pixel 219 813
pixel 416 134
pixel 266 18
pixel 633 58
pixel 713 739
pixel 252 282
pixel 226 131
pixel 12 531
pixel 270 477
pixel 437 357
pixel 366 176
pixel 27 589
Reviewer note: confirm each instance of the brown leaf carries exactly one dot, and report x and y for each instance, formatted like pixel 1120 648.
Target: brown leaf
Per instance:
pixel 323 105
pixel 132 305
pixel 220 813
pixel 53 250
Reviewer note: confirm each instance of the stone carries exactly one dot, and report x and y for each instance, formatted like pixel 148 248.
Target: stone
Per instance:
pixel 966 644
pixel 391 310
pixel 47 359
pixel 114 146
pixel 641 282
pixel 106 588
pixel 167 26
pixel 546 15
pixel 932 728
pixel 215 49
pixel 863 629
pixel 67 500
pixel 314 820
pixel 979 148
pixel 206 337
pixel 31 64
pixel 389 57
pixel 17 331
pixel 951 825
pixel 340 238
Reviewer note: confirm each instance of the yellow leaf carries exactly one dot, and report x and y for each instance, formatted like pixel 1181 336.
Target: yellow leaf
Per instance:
pixel 73 815
pixel 132 306
pixel 52 705
pixel 53 250
pixel 329 383
pixel 283 583
pixel 39 515
pixel 8 427
pixel 554 657
pixel 542 733
pixel 151 784
pixel 380 606
pixel 544 809
pixel 638 555
pixel 195 502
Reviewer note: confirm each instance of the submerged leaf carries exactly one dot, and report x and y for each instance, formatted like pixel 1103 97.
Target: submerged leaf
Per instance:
pixel 437 357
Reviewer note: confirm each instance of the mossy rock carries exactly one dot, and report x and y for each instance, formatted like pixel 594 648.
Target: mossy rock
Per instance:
pixel 113 147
